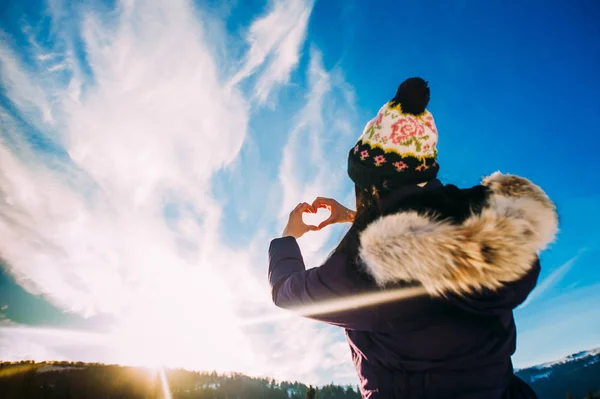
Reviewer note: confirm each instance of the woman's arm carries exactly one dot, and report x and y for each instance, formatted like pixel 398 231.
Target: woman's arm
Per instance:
pixel 316 293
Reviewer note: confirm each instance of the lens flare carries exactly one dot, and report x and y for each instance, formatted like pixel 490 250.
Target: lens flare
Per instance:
pixel 165 384
pixel 341 304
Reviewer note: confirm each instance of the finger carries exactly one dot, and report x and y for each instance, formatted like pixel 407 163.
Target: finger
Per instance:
pixel 310 227
pixel 300 207
pixel 305 207
pixel 327 222
pixel 322 202
pixel 295 210
pixel 311 208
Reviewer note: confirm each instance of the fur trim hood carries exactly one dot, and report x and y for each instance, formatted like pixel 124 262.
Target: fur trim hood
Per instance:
pixel 497 245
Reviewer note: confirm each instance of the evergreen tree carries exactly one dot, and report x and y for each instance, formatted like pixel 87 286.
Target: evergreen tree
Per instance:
pixel 95 381
pixel 569 396
pixel 588 395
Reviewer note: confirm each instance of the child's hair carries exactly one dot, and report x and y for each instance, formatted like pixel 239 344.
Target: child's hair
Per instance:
pixel 412 96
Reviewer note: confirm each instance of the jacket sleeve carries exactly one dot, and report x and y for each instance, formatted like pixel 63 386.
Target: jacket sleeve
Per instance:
pixel 305 291
pixel 506 298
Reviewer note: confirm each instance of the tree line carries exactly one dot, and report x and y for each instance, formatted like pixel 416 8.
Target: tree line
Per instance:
pixel 77 380
pixel 68 380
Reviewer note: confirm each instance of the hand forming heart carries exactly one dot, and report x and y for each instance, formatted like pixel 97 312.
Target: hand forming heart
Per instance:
pixel 317 218
pixel 304 215
pixel 338 212
pixel 296 227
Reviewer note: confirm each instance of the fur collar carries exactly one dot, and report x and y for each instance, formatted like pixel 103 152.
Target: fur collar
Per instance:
pixel 491 247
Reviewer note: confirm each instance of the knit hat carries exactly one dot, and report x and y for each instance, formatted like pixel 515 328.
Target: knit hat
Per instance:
pixel 398 146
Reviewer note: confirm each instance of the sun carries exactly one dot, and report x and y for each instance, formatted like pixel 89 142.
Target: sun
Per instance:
pixel 184 321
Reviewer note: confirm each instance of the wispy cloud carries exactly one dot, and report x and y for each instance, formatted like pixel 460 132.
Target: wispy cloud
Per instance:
pixel 114 214
pixel 559 317
pixel 275 42
pixel 313 165
pixel 139 139
pixel 553 279
pixel 314 157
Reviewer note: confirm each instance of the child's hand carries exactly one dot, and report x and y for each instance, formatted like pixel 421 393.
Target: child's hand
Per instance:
pixel 339 213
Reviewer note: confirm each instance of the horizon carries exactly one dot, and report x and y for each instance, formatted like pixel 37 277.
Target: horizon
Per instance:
pixel 572 356
pixel 151 149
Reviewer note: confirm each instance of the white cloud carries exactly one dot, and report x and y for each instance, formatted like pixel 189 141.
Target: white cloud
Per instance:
pixel 275 43
pixel 314 158
pixel 88 230
pixel 24 92
pixel 313 165
pixel 552 280
pixel 559 317
pixel 157 123
pixel 15 347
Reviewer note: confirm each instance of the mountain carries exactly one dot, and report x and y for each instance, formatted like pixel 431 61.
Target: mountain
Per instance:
pixel 575 374
pixel 53 380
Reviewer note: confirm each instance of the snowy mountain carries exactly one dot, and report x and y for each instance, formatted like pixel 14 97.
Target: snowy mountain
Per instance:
pixel 575 373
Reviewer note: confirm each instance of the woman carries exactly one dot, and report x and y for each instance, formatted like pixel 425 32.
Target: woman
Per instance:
pixel 470 254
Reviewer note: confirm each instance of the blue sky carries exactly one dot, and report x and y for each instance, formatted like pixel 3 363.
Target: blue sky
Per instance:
pixel 149 150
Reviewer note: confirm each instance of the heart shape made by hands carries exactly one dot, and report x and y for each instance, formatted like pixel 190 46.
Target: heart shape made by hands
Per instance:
pixel 315 219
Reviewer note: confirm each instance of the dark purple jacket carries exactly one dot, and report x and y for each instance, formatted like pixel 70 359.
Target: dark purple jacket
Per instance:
pixel 459 249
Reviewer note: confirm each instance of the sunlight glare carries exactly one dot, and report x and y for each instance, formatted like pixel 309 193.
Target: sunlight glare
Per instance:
pixel 340 304
pixel 165 384
pixel 314 219
pixel 183 320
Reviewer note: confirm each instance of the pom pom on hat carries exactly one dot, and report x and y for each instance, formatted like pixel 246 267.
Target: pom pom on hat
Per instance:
pixel 412 96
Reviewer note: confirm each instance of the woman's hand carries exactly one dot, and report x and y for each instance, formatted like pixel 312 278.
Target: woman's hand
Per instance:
pixel 296 227
pixel 339 213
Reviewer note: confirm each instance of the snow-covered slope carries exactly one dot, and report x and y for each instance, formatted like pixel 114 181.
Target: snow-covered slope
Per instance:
pixel 592 356
pixel 575 373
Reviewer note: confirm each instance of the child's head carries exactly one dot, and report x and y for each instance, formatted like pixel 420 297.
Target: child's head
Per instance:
pixel 412 95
